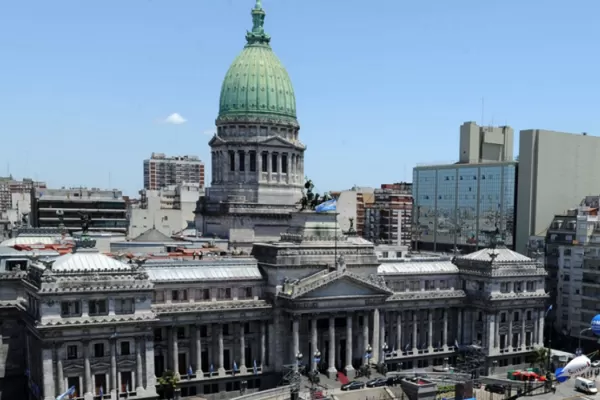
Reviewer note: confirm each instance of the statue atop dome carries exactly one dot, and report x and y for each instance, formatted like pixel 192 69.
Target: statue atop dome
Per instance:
pixel 258 35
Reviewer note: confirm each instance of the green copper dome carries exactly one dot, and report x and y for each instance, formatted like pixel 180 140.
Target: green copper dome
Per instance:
pixel 257 84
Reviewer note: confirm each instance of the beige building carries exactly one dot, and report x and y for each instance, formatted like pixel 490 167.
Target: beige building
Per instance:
pixel 556 170
pixel 168 210
pixel 480 144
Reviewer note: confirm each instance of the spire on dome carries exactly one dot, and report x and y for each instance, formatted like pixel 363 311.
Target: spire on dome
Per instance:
pixel 258 35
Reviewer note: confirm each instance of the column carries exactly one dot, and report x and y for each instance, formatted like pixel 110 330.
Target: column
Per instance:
pixel 510 330
pixel 349 368
pixel 236 167
pixel 382 335
pixel 459 324
pixel 87 370
pixel 399 332
pixel 496 333
pixel 473 324
pixel 47 372
pixel 269 166
pixel 415 339
pixel 221 167
pixel 376 337
pixel 522 336
pixel 175 351
pixel 198 350
pixel 221 369
pixel 445 331
pixel 331 369
pixel 365 335
pixel 60 379
pixel 490 332
pixel 279 173
pixel 247 165
pixel 430 329
pixel 295 339
pixel 541 328
pixel 314 340
pixel 289 167
pixel 243 368
pixel 113 366
pixel 263 344
pixel 259 164
pixel 150 377
pixel 139 376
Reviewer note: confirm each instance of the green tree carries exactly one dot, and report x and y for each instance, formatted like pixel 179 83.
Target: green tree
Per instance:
pixel 168 383
pixel 539 358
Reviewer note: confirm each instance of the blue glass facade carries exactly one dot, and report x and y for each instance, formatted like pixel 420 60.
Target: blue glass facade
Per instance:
pixel 460 204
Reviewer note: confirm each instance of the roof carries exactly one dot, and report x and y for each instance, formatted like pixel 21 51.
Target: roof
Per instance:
pixel 88 260
pixel 417 267
pixel 502 255
pixel 257 83
pixel 29 240
pixel 12 252
pixel 152 235
pixel 204 273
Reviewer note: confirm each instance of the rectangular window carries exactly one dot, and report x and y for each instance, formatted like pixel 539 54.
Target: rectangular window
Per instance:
pixel 100 382
pixel 124 306
pixel 225 293
pixel 180 332
pixel 225 329
pixel 231 161
pixel 159 297
pixel 284 166
pixel 248 293
pixel 274 162
pixel 97 307
pixel 125 350
pixel 99 350
pixel 70 309
pixel 265 162
pixel 175 295
pixel 71 352
pixel 158 335
pixel 242 157
pixel 252 161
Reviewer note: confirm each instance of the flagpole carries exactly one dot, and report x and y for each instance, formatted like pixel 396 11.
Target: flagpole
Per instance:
pixel 335 245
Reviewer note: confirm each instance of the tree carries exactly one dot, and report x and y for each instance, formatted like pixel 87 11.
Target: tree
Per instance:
pixel 539 358
pixel 168 383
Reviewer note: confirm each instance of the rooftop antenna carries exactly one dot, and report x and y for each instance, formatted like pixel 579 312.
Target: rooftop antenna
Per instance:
pixel 482 109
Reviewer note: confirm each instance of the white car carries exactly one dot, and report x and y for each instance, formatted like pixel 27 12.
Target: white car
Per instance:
pixel 596 364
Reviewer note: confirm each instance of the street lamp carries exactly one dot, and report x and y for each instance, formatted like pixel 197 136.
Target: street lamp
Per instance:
pixel 316 358
pixel 314 374
pixel 581 333
pixel 299 357
pixel 384 350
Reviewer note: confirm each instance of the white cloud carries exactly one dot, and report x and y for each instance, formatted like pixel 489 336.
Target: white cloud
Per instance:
pixel 175 119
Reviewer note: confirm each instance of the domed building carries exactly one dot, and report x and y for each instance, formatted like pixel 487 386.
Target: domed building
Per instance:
pixel 257 156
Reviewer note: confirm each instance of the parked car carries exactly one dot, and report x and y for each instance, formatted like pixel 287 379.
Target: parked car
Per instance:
pixel 354 385
pixel 378 382
pixel 596 364
pixel 495 388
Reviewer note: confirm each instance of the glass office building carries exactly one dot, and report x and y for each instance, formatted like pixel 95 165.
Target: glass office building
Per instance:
pixel 462 204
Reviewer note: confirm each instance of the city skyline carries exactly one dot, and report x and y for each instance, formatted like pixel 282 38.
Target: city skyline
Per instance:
pixel 139 78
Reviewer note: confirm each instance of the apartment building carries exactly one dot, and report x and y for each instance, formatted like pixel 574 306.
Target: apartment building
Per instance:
pixel 161 171
pixel 388 219
pixel 10 187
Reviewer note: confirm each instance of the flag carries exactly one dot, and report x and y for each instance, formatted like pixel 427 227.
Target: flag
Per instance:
pixel 101 392
pixel 190 372
pixel 211 369
pixel 548 311
pixel 235 367
pixel 70 392
pixel 330 205
pixel 255 368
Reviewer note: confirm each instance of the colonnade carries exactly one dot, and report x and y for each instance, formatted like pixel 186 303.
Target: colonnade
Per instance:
pixel 217 344
pixel 498 334
pixel 248 165
pixel 56 378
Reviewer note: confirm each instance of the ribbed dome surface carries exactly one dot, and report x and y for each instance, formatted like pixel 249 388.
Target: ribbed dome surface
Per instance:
pixel 256 82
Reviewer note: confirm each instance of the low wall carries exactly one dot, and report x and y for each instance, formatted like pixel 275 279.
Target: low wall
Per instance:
pixel 278 393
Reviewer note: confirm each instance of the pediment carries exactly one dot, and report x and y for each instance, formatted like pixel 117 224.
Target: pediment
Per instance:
pixel 73 367
pixel 345 286
pixel 277 141
pixel 216 141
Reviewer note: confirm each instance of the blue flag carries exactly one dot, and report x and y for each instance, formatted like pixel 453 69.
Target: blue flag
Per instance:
pixel 235 367
pixel 211 369
pixel 101 391
pixel 549 309
pixel 70 392
pixel 330 205
pixel 255 368
pixel 190 371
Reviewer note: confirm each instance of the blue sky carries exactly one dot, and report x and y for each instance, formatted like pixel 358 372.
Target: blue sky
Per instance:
pixel 381 85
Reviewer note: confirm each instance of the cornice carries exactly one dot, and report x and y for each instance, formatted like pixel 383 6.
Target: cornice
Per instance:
pixel 211 306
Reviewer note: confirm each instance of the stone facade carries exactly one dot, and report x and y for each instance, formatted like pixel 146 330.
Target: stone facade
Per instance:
pixel 94 322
